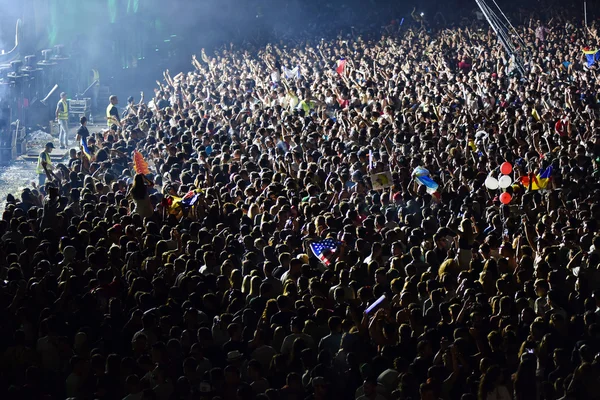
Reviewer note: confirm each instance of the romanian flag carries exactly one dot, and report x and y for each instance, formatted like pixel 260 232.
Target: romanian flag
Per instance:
pixel 341 66
pixel 139 164
pixel 592 56
pixel 173 205
pixel 540 181
pixel 86 149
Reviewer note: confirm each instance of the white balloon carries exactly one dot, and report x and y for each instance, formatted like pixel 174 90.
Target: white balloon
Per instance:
pixel 504 181
pixel 481 135
pixel 491 183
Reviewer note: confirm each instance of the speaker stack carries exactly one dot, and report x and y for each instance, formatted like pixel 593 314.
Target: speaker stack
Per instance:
pixel 48 67
pixel 8 148
pixel 36 77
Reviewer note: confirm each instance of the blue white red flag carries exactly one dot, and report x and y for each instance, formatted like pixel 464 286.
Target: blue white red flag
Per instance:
pixel 325 250
pixel 190 198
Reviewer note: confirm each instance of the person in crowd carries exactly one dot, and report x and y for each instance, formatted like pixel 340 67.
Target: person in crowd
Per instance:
pixel 62 117
pixel 397 216
pixel 82 133
pixel 44 164
pixel 112 112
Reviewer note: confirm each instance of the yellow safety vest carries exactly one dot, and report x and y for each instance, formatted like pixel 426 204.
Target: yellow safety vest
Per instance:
pixel 307 105
pixel 64 114
pixel 40 168
pixel 109 121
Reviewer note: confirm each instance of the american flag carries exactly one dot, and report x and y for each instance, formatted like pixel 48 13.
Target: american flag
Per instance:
pixel 324 250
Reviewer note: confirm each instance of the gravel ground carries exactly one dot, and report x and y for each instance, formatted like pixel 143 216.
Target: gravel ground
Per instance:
pixel 15 177
pixel 20 174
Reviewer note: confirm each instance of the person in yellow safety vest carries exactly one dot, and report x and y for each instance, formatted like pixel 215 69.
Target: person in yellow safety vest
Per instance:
pixel 62 117
pixel 112 113
pixel 44 160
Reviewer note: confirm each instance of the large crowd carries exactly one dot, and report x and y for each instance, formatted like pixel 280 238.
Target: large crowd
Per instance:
pixel 198 276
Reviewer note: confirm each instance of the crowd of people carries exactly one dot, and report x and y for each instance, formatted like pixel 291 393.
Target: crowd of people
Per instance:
pixel 173 256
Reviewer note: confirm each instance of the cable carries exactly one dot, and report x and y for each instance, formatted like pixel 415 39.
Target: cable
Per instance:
pixel 503 32
pixel 511 25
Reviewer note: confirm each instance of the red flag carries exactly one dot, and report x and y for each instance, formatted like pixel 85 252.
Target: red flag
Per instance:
pixel 341 66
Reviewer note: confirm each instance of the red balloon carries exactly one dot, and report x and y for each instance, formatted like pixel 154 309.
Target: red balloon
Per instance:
pixel 505 198
pixel 506 168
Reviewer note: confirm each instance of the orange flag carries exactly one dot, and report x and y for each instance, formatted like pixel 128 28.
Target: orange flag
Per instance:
pixel 139 164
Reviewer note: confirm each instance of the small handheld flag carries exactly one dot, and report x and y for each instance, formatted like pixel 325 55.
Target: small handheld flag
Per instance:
pixel 544 177
pixel 173 205
pixel 292 73
pixel 86 149
pixel 324 250
pixel 139 164
pixel 341 66
pixel 591 56
pixel 190 199
pixel 422 177
pixel 539 181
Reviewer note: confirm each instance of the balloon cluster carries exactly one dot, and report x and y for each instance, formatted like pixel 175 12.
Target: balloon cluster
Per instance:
pixel 502 182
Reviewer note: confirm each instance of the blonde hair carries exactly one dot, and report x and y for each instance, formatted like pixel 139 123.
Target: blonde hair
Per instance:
pixel 246 284
pixel 253 211
pixel 255 283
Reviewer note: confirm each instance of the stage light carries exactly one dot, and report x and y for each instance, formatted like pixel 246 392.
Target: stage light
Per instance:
pixel 422 14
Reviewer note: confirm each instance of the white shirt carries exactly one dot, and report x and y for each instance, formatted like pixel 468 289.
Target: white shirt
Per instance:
pixel 275 76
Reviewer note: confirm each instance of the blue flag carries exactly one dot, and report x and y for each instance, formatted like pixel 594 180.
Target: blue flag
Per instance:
pixel 85 148
pixel 592 56
pixel 429 183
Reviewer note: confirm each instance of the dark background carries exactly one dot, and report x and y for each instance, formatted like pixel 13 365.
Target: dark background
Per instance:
pixel 132 41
